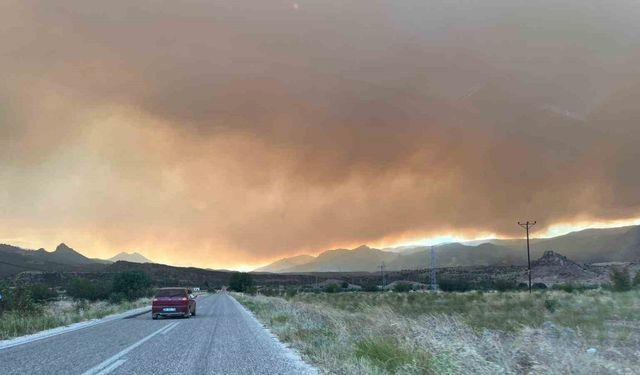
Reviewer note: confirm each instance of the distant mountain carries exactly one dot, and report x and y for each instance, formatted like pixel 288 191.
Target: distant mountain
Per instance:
pixel 14 260
pixel 286 263
pixel 587 246
pixel 130 257
pixel 65 255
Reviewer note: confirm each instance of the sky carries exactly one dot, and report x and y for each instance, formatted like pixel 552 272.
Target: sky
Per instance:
pixel 227 134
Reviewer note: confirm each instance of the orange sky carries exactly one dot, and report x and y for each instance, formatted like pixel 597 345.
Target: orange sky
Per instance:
pixel 229 134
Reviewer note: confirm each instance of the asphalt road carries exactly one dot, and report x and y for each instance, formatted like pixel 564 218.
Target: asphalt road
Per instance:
pixel 222 339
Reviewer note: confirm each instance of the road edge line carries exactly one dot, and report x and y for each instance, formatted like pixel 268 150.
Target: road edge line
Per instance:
pixel 22 340
pixel 290 351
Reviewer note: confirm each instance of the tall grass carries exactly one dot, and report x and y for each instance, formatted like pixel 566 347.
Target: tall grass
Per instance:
pixel 60 313
pixel 459 333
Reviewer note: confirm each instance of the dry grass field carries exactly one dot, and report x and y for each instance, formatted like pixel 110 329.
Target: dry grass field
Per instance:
pixel 549 332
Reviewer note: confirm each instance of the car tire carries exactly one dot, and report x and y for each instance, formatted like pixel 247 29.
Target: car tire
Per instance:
pixel 194 312
pixel 154 316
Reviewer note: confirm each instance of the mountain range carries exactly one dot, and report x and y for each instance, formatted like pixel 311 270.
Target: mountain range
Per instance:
pixel 587 246
pixel 14 260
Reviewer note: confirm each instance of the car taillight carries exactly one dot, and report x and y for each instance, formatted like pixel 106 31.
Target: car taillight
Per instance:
pixel 155 300
pixel 184 299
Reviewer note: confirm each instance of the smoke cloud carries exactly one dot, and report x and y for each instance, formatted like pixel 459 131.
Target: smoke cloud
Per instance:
pixel 220 133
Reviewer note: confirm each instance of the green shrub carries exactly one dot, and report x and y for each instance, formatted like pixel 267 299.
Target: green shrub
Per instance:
pixel 383 353
pixel 132 284
pixel 504 285
pixel 87 289
pixel 636 280
pixel 551 305
pixel 454 285
pixel 402 287
pixel 242 282
pixel 42 293
pixel 332 288
pixel 370 288
pixel 116 298
pixel 19 299
pixel 620 279
pixel 539 286
pixel 565 287
pixel 291 292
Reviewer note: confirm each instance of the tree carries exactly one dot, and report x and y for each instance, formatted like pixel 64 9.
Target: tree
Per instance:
pixel 620 279
pixel 42 293
pixel 636 280
pixel 87 289
pixel 402 287
pixel 132 284
pixel 241 282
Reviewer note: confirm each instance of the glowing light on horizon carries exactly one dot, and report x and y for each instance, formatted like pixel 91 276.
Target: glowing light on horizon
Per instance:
pixel 565 228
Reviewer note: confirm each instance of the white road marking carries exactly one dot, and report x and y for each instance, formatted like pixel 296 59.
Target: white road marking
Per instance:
pixel 5 344
pixel 112 367
pixel 103 366
pixel 169 329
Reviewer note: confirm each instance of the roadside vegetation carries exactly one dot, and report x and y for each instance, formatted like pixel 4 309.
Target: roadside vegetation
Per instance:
pixel 33 308
pixel 581 331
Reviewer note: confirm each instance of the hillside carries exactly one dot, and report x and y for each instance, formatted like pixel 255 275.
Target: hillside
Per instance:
pixel 587 246
pixel 14 260
pixel 130 257
pixel 286 263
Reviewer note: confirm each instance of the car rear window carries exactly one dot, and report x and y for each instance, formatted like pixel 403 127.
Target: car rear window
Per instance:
pixel 170 293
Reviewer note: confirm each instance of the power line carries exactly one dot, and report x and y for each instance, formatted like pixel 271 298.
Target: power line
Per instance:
pixel 434 282
pixel 527 225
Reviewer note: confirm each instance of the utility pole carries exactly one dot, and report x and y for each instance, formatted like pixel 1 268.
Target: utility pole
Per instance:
pixel 527 225
pixel 434 282
pixel 382 274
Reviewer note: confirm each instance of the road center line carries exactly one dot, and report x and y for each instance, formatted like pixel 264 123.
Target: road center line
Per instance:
pixel 102 366
pixel 112 367
pixel 169 329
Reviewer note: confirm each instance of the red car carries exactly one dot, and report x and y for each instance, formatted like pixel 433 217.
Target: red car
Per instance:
pixel 173 302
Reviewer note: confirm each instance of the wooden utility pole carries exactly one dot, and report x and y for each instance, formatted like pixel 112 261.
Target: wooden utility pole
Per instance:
pixel 526 226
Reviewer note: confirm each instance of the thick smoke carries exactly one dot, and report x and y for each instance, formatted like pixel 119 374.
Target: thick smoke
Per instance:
pixel 247 130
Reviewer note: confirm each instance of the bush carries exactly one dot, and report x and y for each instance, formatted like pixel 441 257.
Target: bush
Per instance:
pixel 242 282
pixel 504 285
pixel 132 284
pixel 636 280
pixel 291 292
pixel 565 287
pixel 454 285
pixel 551 305
pixel 383 353
pixel 42 293
pixel 332 288
pixel 370 288
pixel 18 299
pixel 402 288
pixel 620 279
pixel 87 289
pixel 539 286
pixel 116 298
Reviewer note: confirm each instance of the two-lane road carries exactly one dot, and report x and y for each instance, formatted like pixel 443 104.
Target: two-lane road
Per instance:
pixel 222 339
